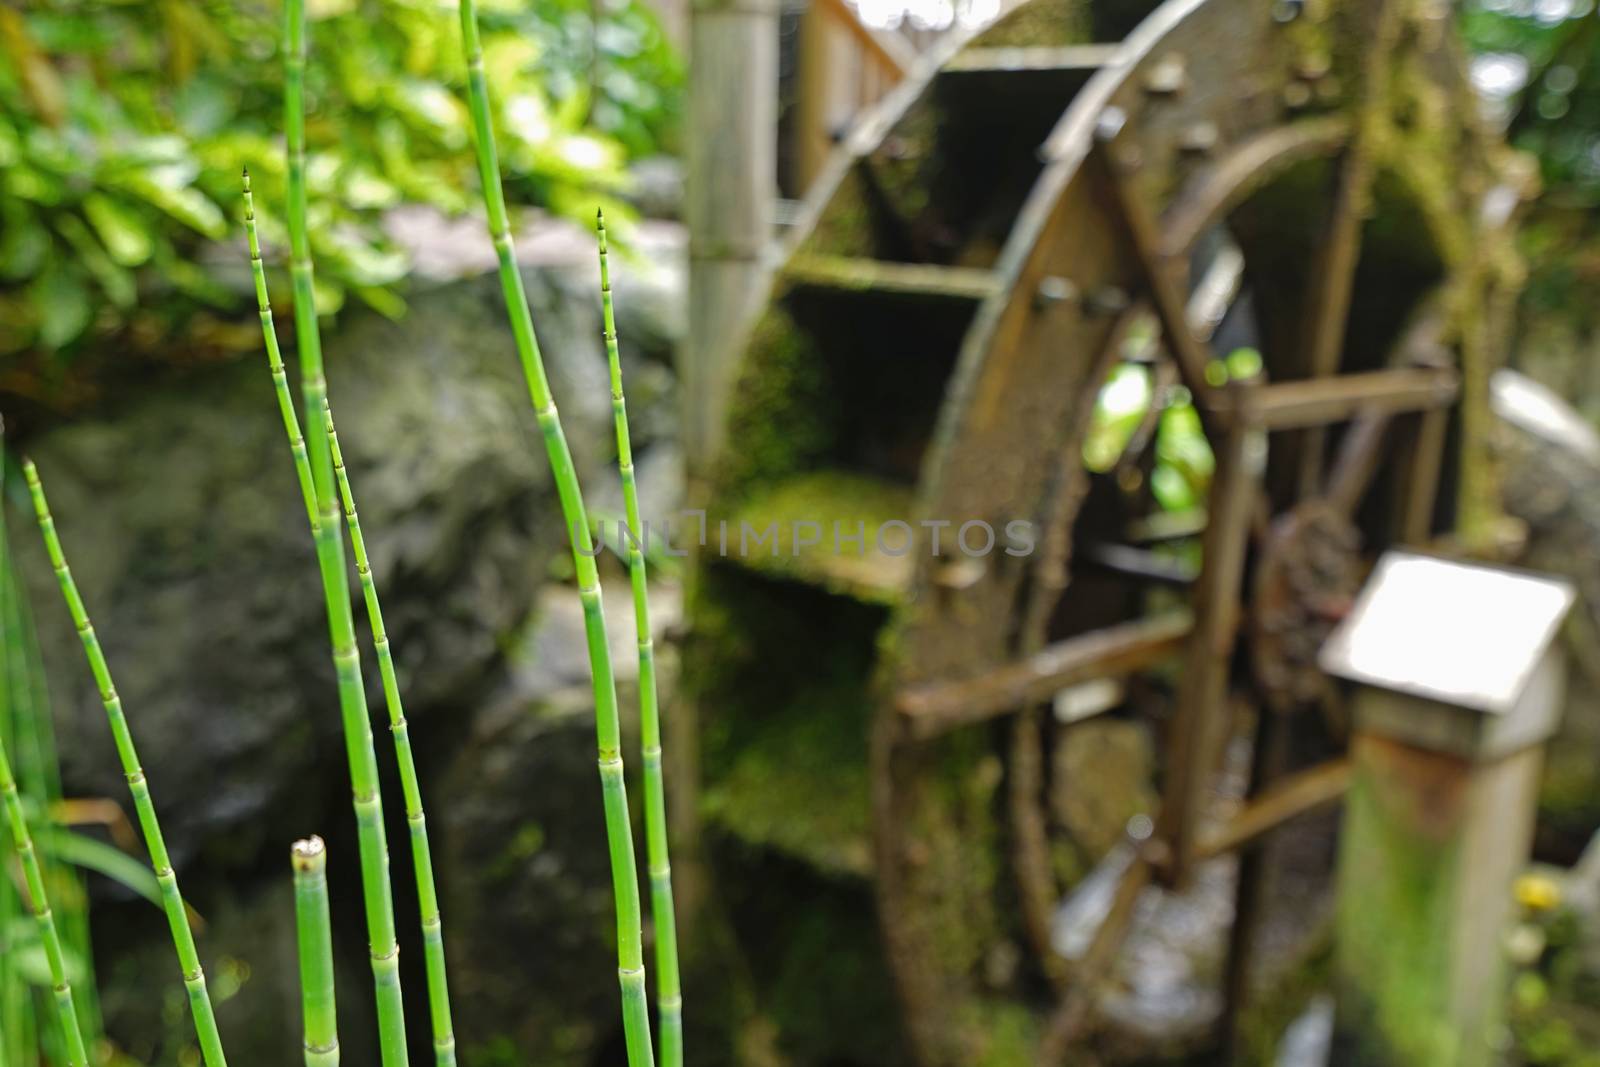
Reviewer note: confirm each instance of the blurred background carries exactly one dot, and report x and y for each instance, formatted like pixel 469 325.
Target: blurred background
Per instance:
pixel 131 370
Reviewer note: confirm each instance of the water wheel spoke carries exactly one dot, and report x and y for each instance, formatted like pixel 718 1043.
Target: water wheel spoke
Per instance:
pixel 1140 564
pixel 861 274
pixel 1091 969
pixel 1421 466
pixel 1195 732
pixel 1160 271
pixel 1212 299
pixel 1356 465
pixel 1079 57
pixel 1313 403
pixel 933 708
pixel 1326 307
pixel 1287 798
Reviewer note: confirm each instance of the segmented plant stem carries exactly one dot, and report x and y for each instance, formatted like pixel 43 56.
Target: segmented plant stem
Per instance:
pixel 314 935
pixel 280 379
pixel 39 906
pixel 194 979
pixel 444 1041
pixel 608 730
pixel 669 992
pixel 362 757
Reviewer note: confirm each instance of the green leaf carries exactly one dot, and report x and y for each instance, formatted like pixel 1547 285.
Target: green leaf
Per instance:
pixel 63 306
pixel 183 202
pixel 21 938
pixel 115 281
pixel 385 302
pixel 80 850
pixel 120 229
pixel 23 246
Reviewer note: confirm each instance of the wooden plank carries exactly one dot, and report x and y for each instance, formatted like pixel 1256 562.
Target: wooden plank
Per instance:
pixel 1319 402
pixel 1141 564
pixel 1288 798
pixel 1422 466
pixel 1325 314
pixel 1075 1011
pixel 876 275
pixel 1160 271
pixel 1195 732
pixel 1084 57
pixel 931 709
pixel 1357 463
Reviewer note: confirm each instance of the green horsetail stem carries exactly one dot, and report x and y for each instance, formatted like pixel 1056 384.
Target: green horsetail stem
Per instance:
pixel 608 729
pixel 280 379
pixel 376 891
pixel 669 992
pixel 39 906
pixel 194 979
pixel 314 935
pixel 444 1041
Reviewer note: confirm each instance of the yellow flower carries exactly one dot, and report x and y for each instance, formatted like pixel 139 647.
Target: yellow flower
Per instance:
pixel 1537 892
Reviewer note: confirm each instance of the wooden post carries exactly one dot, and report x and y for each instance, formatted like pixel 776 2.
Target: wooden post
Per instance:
pixel 732 150
pixel 1460 683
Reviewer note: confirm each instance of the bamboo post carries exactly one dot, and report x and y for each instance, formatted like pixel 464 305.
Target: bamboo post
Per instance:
pixel 733 118
pixel 1459 684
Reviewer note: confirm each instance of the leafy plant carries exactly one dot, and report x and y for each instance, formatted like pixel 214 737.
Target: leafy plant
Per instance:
pixel 123 127
pixel 1539 67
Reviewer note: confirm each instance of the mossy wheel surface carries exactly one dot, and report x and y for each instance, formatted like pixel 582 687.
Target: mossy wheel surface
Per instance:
pixel 1016 756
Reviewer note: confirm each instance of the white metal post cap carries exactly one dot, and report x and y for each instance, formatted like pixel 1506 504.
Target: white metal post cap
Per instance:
pixel 1462 634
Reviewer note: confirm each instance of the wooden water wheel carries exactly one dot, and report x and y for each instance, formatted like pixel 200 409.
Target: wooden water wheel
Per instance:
pixel 1028 218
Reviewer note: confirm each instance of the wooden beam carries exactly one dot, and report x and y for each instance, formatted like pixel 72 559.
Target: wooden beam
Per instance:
pixel 935 707
pixel 1288 798
pixel 1160 270
pixel 1357 463
pixel 1198 724
pixel 847 272
pixel 1084 57
pixel 1319 402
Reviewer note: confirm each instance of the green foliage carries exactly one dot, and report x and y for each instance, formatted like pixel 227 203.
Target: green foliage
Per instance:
pixel 1553 1021
pixel 124 125
pixel 1540 62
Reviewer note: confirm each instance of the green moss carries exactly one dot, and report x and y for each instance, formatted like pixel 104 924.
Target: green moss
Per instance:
pixel 827 507
pixel 1010 1034
pixel 1271 1008
pixel 785 742
pixel 779 423
pixel 1051 22
pixel 847 225
pixel 1394 935
pixel 799 783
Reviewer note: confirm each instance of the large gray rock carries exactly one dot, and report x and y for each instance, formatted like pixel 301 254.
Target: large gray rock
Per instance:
pixel 526 876
pixel 181 515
